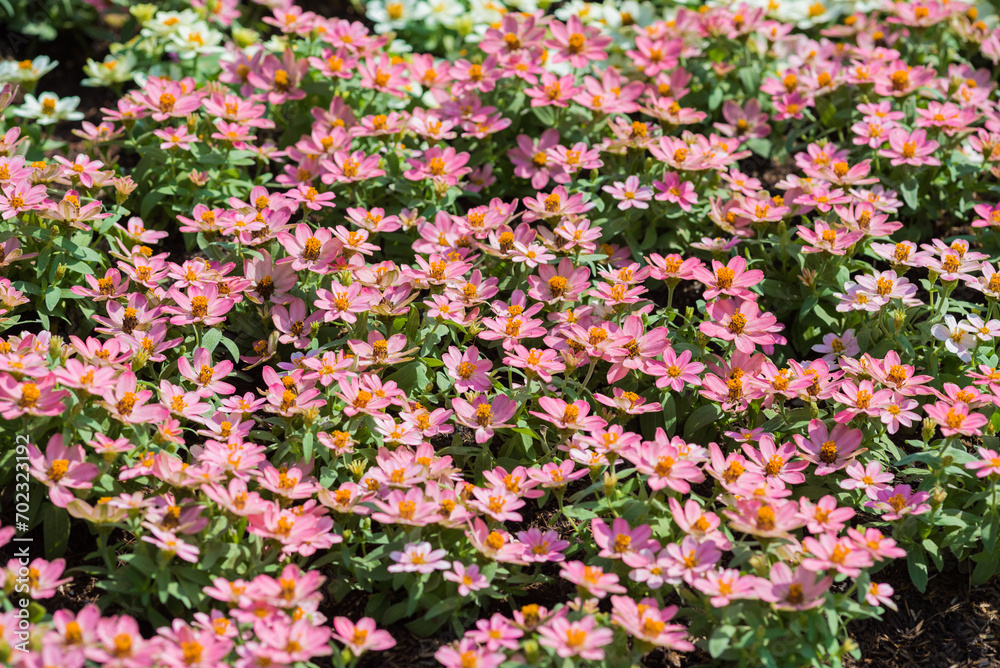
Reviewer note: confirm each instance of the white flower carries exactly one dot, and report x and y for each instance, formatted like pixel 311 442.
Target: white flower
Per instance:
pixel 115 69
pixel 440 12
pixel 48 108
pixel 957 339
pixel 587 12
pixel 165 24
pixel 391 15
pixel 195 40
pixel 25 71
pixel 621 16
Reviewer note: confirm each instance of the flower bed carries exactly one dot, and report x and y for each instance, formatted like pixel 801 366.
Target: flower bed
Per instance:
pixel 561 336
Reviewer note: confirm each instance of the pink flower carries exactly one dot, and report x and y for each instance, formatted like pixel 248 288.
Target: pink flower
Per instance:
pixel 900 501
pixel 956 419
pixel 30 396
pixel 468 578
pixel 553 90
pixel 880 593
pixel 171 545
pixel 361 636
pixel 532 161
pixel 831 553
pixel 468 653
pixel 742 322
pixel 619 539
pixel 496 633
pixel 447 166
pixel 793 591
pixel 43 576
pixel 591 579
pixel 630 194
pixel 829 450
pixel 725 586
pixel 568 416
pixel 645 621
pixel 988 463
pixel 126 402
pixel 731 279
pixel 743 123
pixel 576 638
pixel 61 469
pixel 541 547
pixel 870 477
pixel 576 43
pixel 418 558
pixel 672 189
pixel 824 516
pixel 206 376
pixel 907 148
pixel 764 519
pixel 484 416
pixel 677 371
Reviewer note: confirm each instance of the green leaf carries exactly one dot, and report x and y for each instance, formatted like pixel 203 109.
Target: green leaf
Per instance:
pixel 700 418
pixel 909 189
pixel 52 298
pixel 916 564
pixel 719 641
pixel 211 339
pixel 55 523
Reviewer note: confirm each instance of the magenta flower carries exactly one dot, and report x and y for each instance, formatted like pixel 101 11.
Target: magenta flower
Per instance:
pixel 726 585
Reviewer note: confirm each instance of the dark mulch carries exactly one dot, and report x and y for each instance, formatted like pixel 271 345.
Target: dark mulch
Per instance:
pixel 951 624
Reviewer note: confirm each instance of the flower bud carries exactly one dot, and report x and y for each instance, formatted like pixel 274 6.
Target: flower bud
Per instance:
pixel 357 468
pixel 898 319
pixel 143 13
pixel 929 428
pixel 245 37
pixel 610 483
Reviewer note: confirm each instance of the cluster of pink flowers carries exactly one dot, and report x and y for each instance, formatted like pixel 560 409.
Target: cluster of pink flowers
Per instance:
pixel 526 320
